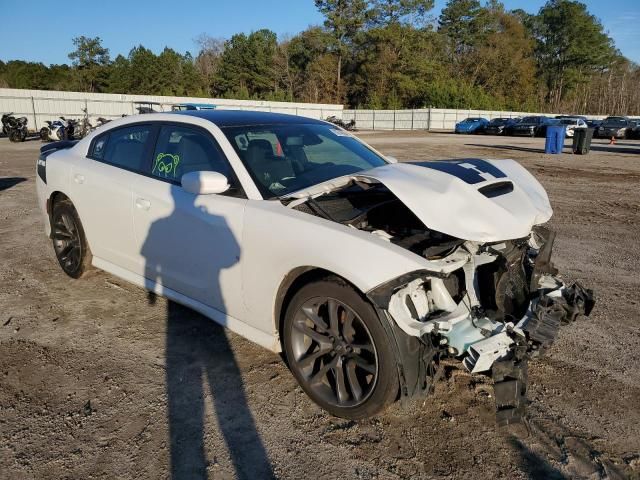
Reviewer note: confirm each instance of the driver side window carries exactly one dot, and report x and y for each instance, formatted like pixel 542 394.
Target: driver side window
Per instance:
pixel 181 150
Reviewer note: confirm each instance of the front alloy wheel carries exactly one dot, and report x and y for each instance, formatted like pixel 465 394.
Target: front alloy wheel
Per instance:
pixel 339 351
pixel 334 352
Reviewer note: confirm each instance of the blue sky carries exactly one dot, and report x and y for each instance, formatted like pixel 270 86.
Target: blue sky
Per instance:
pixel 43 33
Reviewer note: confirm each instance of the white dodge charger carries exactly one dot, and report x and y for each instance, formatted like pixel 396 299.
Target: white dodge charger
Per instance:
pixel 297 235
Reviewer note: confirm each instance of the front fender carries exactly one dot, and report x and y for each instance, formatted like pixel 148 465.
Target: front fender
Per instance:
pixel 301 241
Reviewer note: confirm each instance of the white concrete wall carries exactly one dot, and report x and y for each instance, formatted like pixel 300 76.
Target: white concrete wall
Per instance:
pixel 41 105
pixel 425 119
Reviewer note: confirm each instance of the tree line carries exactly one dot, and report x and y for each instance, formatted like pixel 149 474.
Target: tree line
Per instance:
pixel 379 54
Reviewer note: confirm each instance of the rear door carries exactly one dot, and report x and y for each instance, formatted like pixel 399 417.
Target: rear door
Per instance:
pixel 101 191
pixel 189 243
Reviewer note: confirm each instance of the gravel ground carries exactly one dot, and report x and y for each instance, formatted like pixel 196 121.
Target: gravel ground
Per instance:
pixel 90 369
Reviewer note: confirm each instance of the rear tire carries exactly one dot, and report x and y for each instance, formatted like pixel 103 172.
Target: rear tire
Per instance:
pixel 339 351
pixel 69 241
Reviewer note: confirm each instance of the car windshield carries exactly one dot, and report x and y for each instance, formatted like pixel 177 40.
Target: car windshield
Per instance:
pixel 615 122
pixel 282 159
pixel 471 120
pixel 569 121
pixel 531 120
pixel 499 121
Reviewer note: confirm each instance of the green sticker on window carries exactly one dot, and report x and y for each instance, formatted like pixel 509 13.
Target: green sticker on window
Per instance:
pixel 166 164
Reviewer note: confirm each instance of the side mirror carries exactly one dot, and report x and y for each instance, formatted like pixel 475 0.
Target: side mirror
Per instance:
pixel 204 183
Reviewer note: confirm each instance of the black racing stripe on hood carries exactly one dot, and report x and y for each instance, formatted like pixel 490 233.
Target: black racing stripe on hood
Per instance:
pixel 469 170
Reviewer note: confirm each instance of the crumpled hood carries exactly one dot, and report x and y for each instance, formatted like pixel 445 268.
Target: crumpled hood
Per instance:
pixel 478 200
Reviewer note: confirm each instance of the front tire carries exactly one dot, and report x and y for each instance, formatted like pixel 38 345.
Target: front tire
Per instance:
pixel 69 242
pixel 339 351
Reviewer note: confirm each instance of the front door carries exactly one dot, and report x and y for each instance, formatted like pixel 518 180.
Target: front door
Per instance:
pixel 185 242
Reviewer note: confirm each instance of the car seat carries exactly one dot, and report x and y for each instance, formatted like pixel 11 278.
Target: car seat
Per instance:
pixel 266 167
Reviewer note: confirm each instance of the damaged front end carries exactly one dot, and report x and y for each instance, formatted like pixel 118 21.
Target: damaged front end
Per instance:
pixel 496 306
pixel 491 303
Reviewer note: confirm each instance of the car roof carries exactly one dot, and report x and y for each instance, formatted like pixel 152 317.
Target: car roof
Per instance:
pixel 237 118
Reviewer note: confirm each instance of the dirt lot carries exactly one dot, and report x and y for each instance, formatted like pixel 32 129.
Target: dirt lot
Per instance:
pixel 90 369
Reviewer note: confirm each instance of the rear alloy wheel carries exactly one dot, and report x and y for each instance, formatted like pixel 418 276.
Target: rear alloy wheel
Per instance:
pixel 339 351
pixel 69 242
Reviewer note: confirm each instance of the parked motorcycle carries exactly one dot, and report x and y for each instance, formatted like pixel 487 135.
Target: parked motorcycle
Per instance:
pixel 7 119
pixel 55 130
pixel 83 127
pixel 351 125
pixel 16 128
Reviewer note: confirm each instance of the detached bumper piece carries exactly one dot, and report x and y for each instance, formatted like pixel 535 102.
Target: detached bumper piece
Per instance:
pixel 552 312
pixel 540 330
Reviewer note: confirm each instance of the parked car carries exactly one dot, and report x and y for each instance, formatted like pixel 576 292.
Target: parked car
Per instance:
pixel 471 125
pixel 593 123
pixel 300 237
pixel 571 124
pixel 618 127
pixel 561 117
pixel 498 126
pixel 530 126
pixel 179 107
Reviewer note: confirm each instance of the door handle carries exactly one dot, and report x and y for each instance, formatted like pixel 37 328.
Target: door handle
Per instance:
pixel 78 178
pixel 143 204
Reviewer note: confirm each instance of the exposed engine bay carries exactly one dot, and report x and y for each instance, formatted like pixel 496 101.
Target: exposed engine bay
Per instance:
pixel 492 305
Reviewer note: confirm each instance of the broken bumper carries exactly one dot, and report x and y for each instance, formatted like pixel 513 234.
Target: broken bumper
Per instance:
pixel 494 340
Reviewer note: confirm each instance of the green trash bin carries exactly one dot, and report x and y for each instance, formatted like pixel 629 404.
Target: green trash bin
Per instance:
pixel 582 140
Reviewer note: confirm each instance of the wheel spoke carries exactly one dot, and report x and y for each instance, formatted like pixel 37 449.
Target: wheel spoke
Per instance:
pixel 334 320
pixel 323 371
pixel 348 332
pixel 64 253
pixel 68 223
pixel 315 318
pixel 341 387
pixel 352 378
pixel 59 226
pixel 310 358
pixel 363 364
pixel 314 335
pixel 60 235
pixel 362 346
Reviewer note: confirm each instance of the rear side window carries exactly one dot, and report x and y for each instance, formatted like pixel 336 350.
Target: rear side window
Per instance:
pixel 126 147
pixel 181 150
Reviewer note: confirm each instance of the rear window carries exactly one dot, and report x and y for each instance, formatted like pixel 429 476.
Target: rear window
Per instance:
pixel 126 147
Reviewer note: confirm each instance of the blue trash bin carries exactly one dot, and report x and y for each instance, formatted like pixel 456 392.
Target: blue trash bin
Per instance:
pixel 554 142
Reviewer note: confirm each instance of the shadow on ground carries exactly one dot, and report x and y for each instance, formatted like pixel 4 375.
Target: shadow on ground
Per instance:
pixel 9 182
pixel 201 365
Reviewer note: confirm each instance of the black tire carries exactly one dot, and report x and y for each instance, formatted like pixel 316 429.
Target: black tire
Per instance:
pixel 44 134
pixel 14 136
pixel 69 241
pixel 359 348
